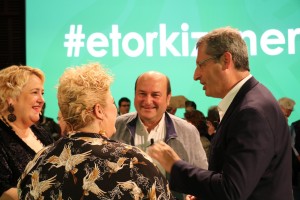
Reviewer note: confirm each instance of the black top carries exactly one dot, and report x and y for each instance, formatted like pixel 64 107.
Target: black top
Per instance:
pixel 50 126
pixel 15 154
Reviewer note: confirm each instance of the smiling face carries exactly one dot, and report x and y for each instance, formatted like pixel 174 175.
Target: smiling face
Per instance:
pixel 30 102
pixel 151 98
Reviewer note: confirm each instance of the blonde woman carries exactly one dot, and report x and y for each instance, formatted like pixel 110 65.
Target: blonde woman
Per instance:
pixel 21 101
pixel 87 164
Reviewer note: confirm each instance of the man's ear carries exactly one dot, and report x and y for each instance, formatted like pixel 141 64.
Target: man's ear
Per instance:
pixel 169 99
pixel 227 60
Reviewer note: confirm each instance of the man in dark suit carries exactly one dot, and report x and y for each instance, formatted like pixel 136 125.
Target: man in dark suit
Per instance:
pixel 295 132
pixel 250 155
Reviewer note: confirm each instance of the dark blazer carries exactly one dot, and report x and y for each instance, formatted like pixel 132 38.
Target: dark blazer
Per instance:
pixel 296 127
pixel 250 154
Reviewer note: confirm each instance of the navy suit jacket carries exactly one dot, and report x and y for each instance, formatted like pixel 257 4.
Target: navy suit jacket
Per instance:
pixel 250 153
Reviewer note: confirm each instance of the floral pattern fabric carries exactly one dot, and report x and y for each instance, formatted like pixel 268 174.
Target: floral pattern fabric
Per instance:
pixel 90 166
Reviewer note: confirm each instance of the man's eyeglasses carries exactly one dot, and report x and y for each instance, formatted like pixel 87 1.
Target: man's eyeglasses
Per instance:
pixel 125 105
pixel 201 63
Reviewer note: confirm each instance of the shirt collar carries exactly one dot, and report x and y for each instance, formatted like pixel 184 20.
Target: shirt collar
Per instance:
pixel 158 127
pixel 226 101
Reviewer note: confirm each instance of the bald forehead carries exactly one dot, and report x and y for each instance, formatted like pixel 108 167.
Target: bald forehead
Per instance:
pixel 153 77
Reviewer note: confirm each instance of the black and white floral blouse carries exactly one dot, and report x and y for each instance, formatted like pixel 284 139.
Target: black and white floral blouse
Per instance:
pixel 90 166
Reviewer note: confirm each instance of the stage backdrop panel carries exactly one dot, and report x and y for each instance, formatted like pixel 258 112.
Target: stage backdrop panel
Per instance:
pixel 134 36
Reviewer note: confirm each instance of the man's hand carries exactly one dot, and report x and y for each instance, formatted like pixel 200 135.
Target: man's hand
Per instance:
pixel 164 154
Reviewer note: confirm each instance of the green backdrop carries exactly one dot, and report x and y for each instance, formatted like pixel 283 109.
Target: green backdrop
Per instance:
pixel 131 37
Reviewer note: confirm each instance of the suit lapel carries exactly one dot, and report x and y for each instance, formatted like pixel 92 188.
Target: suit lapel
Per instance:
pixel 238 98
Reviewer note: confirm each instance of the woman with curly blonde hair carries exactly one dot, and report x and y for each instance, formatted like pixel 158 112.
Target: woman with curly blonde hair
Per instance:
pixel 87 164
pixel 21 101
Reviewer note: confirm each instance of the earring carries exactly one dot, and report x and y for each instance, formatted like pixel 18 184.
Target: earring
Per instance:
pixel 11 116
pixel 102 132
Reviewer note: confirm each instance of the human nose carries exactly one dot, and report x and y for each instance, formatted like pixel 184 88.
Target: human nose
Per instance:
pixel 148 99
pixel 41 98
pixel 197 74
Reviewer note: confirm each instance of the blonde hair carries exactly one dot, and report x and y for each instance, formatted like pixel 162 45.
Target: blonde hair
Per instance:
pixel 79 89
pixel 287 103
pixel 12 81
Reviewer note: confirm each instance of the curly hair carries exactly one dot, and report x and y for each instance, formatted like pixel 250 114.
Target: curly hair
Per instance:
pixel 80 89
pixel 12 81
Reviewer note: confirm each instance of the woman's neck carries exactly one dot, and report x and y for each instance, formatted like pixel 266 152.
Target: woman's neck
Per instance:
pixel 24 133
pixel 20 128
pixel 92 129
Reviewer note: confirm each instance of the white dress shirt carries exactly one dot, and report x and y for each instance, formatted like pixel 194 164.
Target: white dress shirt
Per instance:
pixel 226 101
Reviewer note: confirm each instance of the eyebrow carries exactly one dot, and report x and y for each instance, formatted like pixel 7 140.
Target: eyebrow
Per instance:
pixel 36 90
pixel 156 92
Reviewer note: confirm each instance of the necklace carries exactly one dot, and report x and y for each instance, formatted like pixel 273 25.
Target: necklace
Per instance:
pixel 6 123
